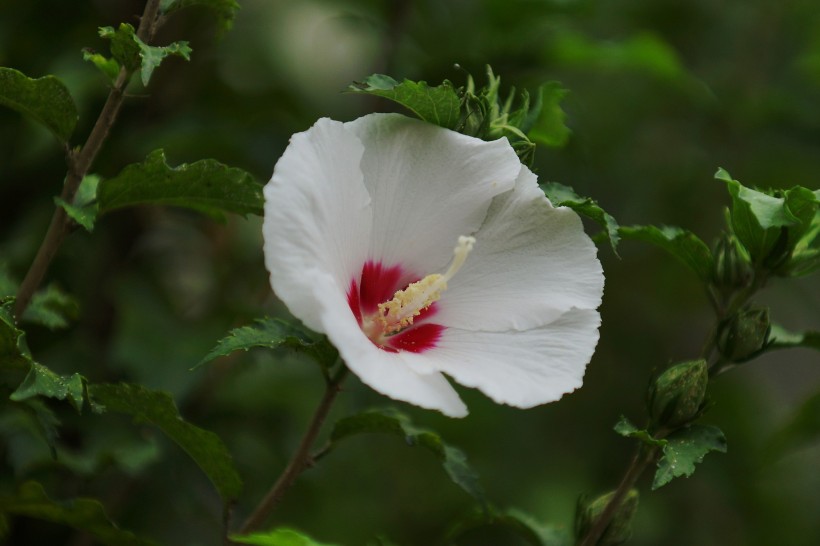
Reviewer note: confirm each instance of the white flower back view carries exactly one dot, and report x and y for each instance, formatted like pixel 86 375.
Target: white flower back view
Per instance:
pixel 422 252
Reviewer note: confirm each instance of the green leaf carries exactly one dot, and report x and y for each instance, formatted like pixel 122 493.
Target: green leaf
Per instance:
pixel 41 381
pixel 130 51
pixel 439 105
pixel 680 243
pixel 549 126
pixel 45 100
pixel 801 429
pixel 513 520
pixel 206 185
pixel 158 408
pixel 780 338
pixel 52 308
pixel 224 10
pixel 278 537
pixel 83 514
pixel 758 219
pixel 109 67
pixel 625 428
pixel 685 448
pixel 84 210
pixel 273 333
pixel 14 352
pixel 392 422
pixel 564 196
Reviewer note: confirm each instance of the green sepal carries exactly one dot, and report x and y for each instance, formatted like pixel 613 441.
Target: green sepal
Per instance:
pixel 109 67
pixel 134 54
pixel 678 395
pixel 282 536
pixel 224 10
pixel 41 381
pixel 564 196
pixel 158 408
pixel 84 514
pixel 439 105
pixel 274 333
pixel 680 243
pixel 392 422
pixel 625 428
pixel 46 100
pixel 84 209
pixel 517 522
pixel 685 448
pixel 744 335
pixel 206 186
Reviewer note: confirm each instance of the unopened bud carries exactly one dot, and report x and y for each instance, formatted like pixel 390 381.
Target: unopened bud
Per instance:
pixel 676 396
pixel 619 528
pixel 732 269
pixel 744 335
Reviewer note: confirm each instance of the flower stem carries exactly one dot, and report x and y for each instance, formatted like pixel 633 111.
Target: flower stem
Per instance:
pixel 79 163
pixel 300 461
pixel 642 458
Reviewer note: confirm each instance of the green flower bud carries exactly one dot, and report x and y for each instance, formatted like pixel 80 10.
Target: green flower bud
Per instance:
pixel 619 529
pixel 731 269
pixel 676 396
pixel 744 335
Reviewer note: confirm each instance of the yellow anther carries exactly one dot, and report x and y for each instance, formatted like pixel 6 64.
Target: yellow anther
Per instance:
pixel 407 304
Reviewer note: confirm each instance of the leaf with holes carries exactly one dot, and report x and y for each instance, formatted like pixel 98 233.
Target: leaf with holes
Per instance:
pixel 685 448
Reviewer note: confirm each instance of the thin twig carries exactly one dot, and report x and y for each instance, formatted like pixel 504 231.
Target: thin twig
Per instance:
pixel 300 460
pixel 79 163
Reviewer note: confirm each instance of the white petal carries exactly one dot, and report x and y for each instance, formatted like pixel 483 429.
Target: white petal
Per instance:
pixel 317 215
pixel 429 185
pixel 531 263
pixel 521 368
pixel 384 372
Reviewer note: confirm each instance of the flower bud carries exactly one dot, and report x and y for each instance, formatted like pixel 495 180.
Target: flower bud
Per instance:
pixel 620 527
pixel 677 395
pixel 744 334
pixel 731 269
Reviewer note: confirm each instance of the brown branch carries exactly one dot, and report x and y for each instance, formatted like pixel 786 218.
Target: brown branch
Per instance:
pixel 79 163
pixel 300 460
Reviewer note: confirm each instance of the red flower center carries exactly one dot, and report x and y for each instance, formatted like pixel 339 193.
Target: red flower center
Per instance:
pixel 378 284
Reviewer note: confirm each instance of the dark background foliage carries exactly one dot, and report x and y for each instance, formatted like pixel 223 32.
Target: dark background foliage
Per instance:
pixel 662 93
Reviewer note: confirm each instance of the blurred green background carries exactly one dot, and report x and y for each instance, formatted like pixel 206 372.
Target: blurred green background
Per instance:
pixel 662 93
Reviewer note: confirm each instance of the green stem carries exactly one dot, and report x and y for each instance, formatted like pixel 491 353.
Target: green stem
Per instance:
pixel 79 163
pixel 301 459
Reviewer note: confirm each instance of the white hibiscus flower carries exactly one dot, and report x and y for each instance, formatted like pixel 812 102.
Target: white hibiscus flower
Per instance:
pixel 361 222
